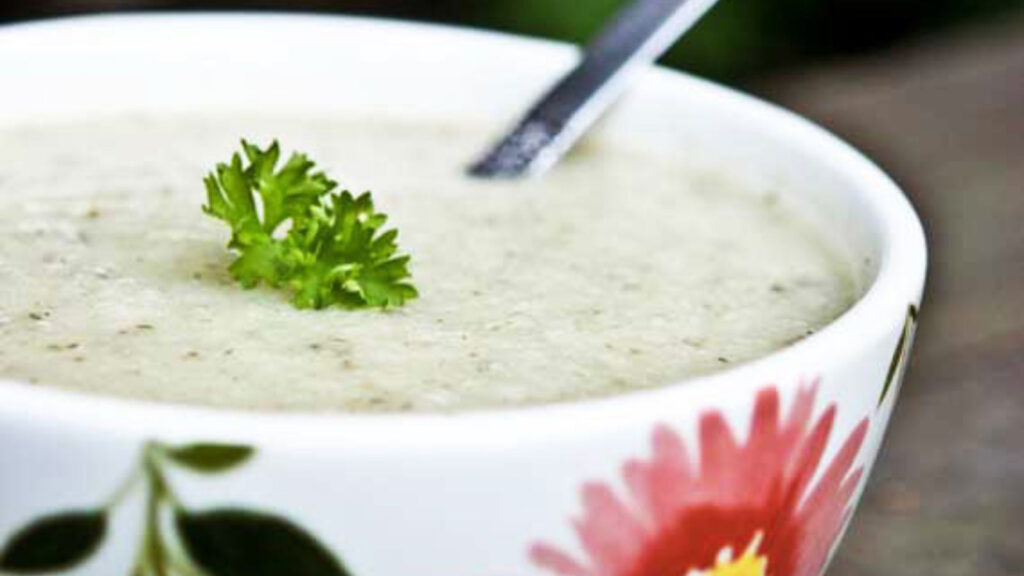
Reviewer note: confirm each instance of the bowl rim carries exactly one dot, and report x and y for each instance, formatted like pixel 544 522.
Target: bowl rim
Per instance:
pixel 899 279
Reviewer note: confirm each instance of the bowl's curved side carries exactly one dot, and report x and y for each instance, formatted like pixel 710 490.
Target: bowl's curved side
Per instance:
pixel 771 467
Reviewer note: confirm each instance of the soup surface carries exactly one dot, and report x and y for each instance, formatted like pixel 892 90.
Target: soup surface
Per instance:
pixel 621 269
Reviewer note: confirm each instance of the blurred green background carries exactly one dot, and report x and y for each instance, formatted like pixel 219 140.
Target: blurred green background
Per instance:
pixel 737 39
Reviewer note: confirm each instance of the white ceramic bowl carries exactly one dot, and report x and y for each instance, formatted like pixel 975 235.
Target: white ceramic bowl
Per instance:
pixel 759 463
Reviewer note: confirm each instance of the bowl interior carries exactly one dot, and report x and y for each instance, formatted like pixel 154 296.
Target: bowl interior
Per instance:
pixel 53 72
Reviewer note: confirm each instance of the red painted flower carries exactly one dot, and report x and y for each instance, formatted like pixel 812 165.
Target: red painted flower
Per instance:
pixel 745 510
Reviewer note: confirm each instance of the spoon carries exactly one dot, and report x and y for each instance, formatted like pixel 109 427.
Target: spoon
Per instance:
pixel 634 39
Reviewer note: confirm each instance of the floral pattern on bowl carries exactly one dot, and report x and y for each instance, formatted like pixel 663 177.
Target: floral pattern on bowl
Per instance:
pixel 174 540
pixel 739 510
pixel 731 509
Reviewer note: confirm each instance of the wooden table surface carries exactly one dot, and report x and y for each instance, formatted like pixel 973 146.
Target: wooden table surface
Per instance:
pixel 946 118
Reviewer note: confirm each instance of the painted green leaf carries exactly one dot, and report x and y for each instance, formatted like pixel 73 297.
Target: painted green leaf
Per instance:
pixel 210 458
pixel 900 353
pixel 233 542
pixel 54 542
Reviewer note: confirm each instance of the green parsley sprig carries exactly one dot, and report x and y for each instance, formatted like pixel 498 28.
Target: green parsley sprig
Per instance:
pixel 333 253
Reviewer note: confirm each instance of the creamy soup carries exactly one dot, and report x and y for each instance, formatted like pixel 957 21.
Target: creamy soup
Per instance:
pixel 620 270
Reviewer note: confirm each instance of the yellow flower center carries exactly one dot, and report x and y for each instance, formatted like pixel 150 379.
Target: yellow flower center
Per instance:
pixel 749 564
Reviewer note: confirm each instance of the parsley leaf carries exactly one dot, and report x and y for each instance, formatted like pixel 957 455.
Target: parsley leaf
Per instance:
pixel 333 250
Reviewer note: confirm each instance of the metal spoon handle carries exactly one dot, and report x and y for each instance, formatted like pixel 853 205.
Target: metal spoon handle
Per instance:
pixel 636 37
